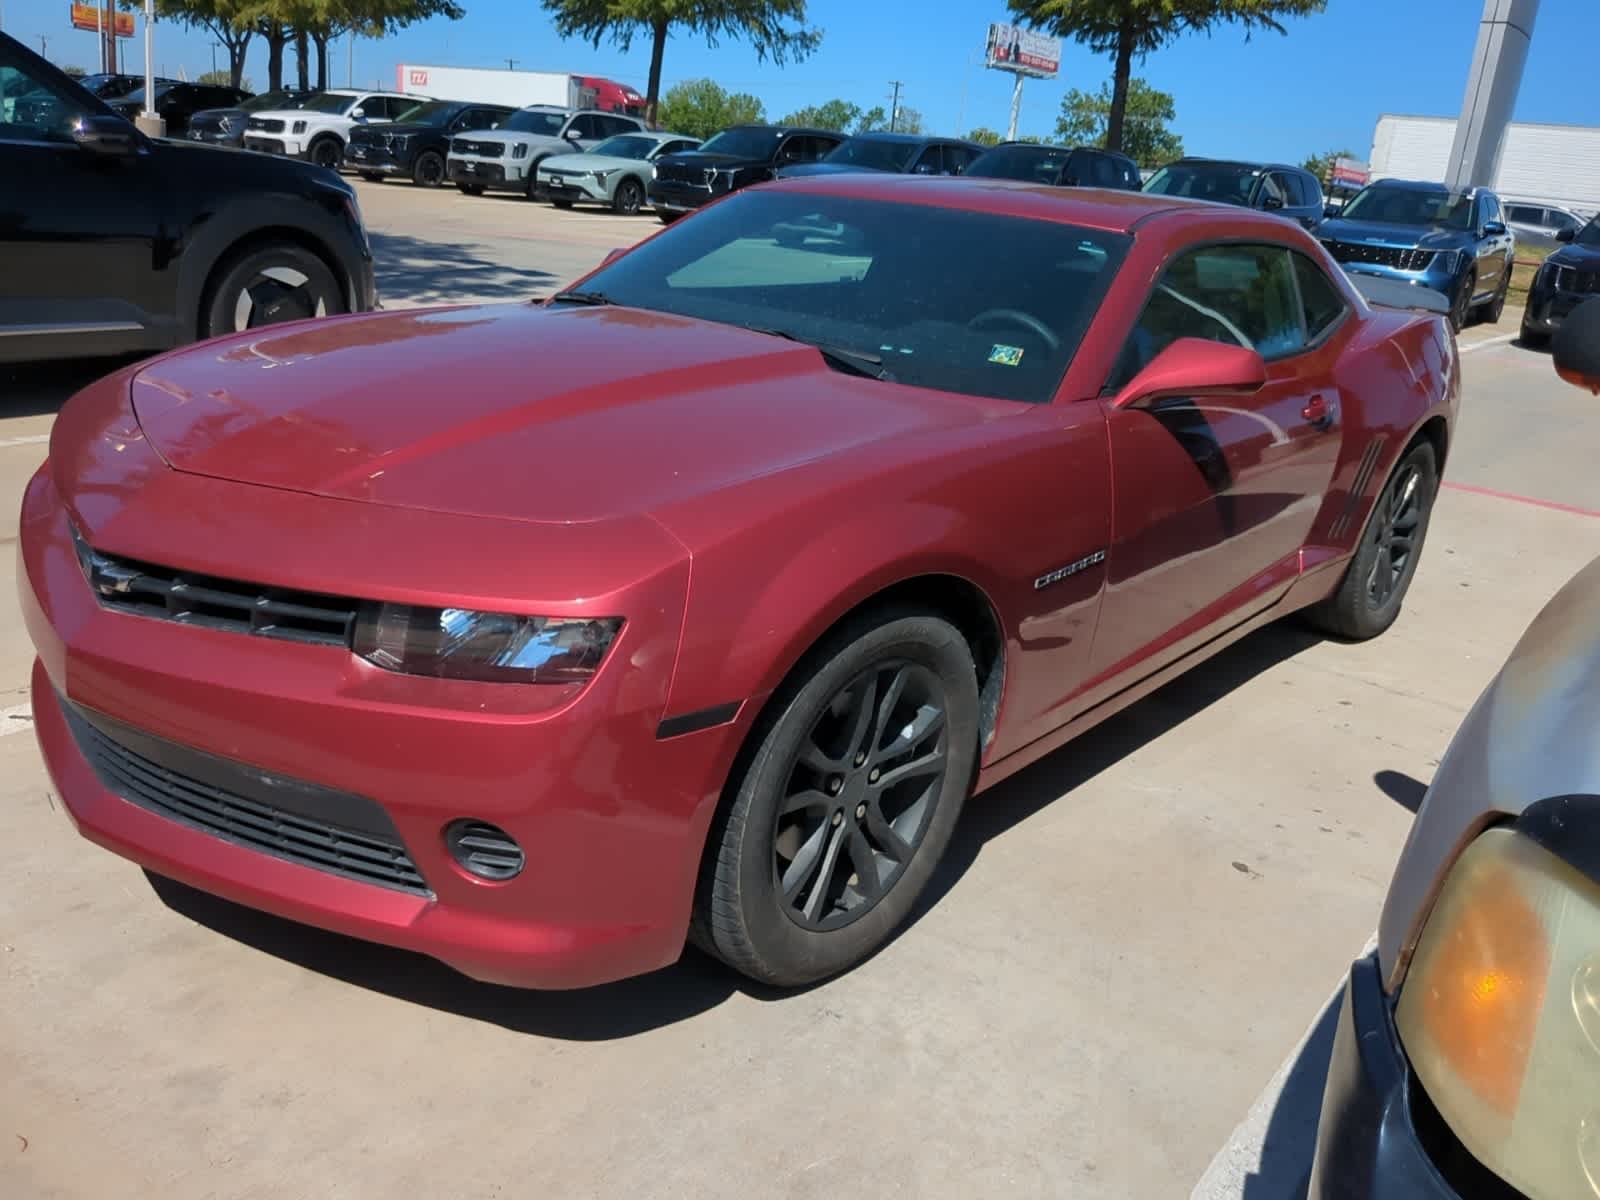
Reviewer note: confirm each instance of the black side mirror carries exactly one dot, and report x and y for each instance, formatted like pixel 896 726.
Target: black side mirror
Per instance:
pixel 1271 203
pixel 1330 211
pixel 1566 235
pixel 1493 228
pixel 111 136
pixel 1576 348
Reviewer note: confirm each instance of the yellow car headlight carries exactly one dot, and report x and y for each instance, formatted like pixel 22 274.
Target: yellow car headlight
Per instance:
pixel 1500 1014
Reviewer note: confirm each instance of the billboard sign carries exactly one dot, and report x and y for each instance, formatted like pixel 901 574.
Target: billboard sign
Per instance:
pixel 90 16
pixel 1348 172
pixel 1012 48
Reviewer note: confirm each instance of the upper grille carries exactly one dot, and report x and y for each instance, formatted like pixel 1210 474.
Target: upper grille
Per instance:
pixel 207 122
pixel 265 125
pixel 300 822
pixel 1570 279
pixel 481 149
pixel 685 173
pixel 169 594
pixel 1383 256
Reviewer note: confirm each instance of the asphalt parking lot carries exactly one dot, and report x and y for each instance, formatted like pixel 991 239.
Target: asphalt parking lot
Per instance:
pixel 1120 986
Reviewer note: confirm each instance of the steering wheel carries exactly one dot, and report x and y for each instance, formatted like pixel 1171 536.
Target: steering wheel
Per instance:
pixel 1015 316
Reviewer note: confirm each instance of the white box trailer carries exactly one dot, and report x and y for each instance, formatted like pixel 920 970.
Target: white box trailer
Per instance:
pixel 489 85
pixel 1550 164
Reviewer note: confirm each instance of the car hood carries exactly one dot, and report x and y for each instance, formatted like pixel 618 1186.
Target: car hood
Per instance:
pixel 515 411
pixel 699 158
pixel 1422 237
pixel 1570 255
pixel 505 139
pixel 223 112
pixel 295 114
pixel 409 127
pixel 591 162
pixel 828 168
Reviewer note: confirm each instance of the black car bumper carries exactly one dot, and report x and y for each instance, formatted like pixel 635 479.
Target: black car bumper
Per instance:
pixel 670 196
pixel 1548 308
pixel 215 137
pixel 374 160
pixel 267 145
pixel 477 174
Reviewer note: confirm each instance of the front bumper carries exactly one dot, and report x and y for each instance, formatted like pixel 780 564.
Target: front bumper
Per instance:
pixel 671 196
pixel 215 137
pixel 287 147
pixel 1548 308
pixel 611 818
pixel 576 189
pixel 494 174
pixel 1368 1146
pixel 374 160
pixel 1433 277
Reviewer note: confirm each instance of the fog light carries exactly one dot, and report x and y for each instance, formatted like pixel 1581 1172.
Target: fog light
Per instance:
pixel 484 850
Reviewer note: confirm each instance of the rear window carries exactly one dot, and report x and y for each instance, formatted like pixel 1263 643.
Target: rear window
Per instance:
pixel 959 301
pixel 1031 164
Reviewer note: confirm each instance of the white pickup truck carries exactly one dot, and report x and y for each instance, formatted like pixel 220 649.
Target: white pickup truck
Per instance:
pixel 318 129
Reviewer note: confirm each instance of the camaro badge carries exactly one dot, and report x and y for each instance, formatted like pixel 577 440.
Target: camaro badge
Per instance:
pixel 1071 568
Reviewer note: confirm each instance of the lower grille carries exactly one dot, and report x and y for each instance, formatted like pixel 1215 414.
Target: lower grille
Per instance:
pixel 299 822
pixel 480 149
pixel 1382 256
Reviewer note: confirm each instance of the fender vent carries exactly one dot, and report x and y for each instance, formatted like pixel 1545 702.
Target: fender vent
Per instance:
pixel 1358 488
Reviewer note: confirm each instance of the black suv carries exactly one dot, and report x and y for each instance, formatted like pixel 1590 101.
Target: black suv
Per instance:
pixel 125 244
pixel 225 126
pixel 1568 277
pixel 1291 192
pixel 415 145
pixel 898 153
pixel 733 159
pixel 1058 166
pixel 114 87
pixel 177 102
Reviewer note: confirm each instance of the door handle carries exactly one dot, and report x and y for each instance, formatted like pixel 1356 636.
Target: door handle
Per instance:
pixel 1319 413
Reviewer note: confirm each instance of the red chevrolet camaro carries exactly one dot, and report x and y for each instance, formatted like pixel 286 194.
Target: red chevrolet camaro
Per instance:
pixel 696 600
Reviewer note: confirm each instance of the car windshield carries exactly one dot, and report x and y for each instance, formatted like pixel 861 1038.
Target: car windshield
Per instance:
pixel 529 120
pixel 1589 235
pixel 626 145
pixel 877 153
pixel 329 102
pixel 1411 206
pixel 271 100
pixel 429 112
pixel 1032 164
pixel 137 95
pixel 744 141
pixel 931 296
pixel 1227 183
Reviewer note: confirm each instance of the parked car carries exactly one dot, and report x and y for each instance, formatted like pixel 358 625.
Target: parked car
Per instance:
pixel 318 128
pixel 1466 1059
pixel 1058 166
pixel 176 103
pixel 735 158
pixel 616 172
pixel 1454 241
pixel 417 143
pixel 122 244
pixel 945 511
pixel 901 153
pixel 1565 280
pixel 1291 192
pixel 507 158
pixel 225 126
pixel 1539 226
pixel 114 86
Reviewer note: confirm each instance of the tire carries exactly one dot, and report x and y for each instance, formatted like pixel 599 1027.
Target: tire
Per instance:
pixel 839 818
pixel 1534 339
pixel 533 177
pixel 562 203
pixel 428 170
pixel 470 189
pixel 326 151
pixel 268 284
pixel 1461 302
pixel 372 177
pixel 1360 608
pixel 628 199
pixel 1491 312
pixel 667 218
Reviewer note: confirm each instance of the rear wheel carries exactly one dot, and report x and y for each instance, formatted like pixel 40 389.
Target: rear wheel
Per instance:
pixel 428 170
pixel 667 218
pixel 1461 302
pixel 1374 584
pixel 326 152
pixel 372 176
pixel 470 189
pixel 629 197
pixel 562 203
pixel 847 803
pixel 265 285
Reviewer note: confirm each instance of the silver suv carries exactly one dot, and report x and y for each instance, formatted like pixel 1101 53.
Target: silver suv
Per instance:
pixel 507 159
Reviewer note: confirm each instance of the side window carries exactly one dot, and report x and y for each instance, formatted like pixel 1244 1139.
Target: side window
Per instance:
pixel 31 110
pixel 1271 194
pixel 1525 214
pixel 958 159
pixel 1130 175
pixel 1563 220
pixel 1293 193
pixel 1312 190
pixel 1491 210
pixel 1076 171
pixel 583 125
pixel 611 126
pixel 1239 294
pixel 1324 307
pixel 1104 171
pixel 929 162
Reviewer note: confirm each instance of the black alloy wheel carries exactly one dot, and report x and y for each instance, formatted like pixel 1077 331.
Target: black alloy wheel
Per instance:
pixel 1492 311
pixel 268 285
pixel 856 776
pixel 470 189
pixel 629 197
pixel 533 178
pixel 1461 303
pixel 372 176
pixel 1394 529
pixel 428 170
pixel 326 152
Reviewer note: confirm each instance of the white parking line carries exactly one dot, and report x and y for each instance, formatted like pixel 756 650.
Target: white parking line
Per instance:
pixel 16 719
pixel 1501 340
pixel 33 439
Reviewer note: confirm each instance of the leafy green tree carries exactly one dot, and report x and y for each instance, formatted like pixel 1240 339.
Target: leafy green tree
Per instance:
pixel 1321 165
pixel 701 107
pixel 231 22
pixel 1129 29
pixel 834 114
pixel 775 29
pixel 873 120
pixel 224 79
pixel 984 136
pixel 74 72
pixel 907 120
pixel 1085 119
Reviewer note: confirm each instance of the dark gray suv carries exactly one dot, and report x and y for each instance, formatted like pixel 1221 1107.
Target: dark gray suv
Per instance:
pixel 1291 192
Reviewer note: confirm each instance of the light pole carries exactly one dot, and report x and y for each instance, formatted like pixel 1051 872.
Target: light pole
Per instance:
pixel 148 122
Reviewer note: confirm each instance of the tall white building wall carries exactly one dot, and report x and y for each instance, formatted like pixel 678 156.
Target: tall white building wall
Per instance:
pixel 1556 164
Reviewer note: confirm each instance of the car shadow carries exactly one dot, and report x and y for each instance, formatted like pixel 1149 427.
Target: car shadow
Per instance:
pixel 422 271
pixel 1289 1141
pixel 1401 788
pixel 697 983
pixel 31 389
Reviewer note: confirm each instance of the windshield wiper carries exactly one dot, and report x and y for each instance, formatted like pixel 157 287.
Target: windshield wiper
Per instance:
pixel 857 362
pixel 594 298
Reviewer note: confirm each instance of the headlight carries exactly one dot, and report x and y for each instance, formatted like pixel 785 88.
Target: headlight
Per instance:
pixel 602 176
pixel 1500 1015
pixel 398 141
pixel 519 151
pixel 1448 259
pixel 460 643
pixel 1554 275
pixel 298 127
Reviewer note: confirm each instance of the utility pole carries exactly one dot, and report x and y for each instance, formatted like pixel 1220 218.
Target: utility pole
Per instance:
pixel 894 104
pixel 44 46
pixel 511 64
pixel 213 58
pixel 108 37
pixel 350 62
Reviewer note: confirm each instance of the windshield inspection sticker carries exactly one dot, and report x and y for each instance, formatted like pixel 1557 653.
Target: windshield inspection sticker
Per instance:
pixel 1006 356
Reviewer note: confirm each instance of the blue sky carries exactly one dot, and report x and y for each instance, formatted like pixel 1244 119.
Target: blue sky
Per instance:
pixel 1321 87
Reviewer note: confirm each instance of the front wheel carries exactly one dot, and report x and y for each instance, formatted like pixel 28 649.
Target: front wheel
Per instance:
pixel 562 203
pixel 266 285
pixel 470 189
pixel 428 170
pixel 629 197
pixel 326 152
pixel 1375 583
pixel 372 176
pixel 667 218
pixel 847 804
pixel 1461 302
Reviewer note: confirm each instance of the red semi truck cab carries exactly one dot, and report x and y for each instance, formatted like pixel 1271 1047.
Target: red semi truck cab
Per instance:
pixel 608 95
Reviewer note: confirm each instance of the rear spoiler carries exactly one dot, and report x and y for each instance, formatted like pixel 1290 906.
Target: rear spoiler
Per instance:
pixel 1391 293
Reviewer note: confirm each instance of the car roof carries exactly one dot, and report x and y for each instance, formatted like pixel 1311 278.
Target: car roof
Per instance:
pixel 1056 147
pixel 1115 211
pixel 787 129
pixel 1426 185
pixel 1237 162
